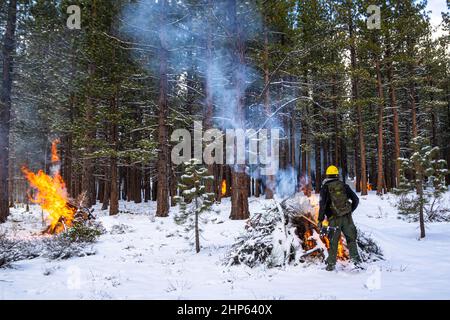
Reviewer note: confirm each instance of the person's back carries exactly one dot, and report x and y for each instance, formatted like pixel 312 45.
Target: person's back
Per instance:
pixel 335 206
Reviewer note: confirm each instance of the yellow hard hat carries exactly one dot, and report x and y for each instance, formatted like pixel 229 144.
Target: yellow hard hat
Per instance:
pixel 332 171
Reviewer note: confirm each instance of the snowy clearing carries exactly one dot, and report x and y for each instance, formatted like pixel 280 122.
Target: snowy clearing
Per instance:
pixel 149 258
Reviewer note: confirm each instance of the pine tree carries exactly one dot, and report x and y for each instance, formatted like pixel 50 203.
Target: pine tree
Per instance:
pixel 423 173
pixel 9 47
pixel 194 199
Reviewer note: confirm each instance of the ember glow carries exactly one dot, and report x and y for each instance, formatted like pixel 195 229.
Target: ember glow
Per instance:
pixel 224 188
pixel 51 194
pixel 55 156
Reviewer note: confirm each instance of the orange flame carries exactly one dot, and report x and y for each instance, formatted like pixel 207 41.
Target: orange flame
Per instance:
pixel 224 188
pixel 342 253
pixel 55 156
pixel 368 185
pixel 52 196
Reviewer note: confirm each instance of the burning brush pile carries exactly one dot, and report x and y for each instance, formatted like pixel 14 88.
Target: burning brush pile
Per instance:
pixel 51 194
pixel 71 227
pixel 286 232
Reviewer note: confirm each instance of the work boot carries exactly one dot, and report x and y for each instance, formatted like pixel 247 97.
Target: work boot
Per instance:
pixel 330 267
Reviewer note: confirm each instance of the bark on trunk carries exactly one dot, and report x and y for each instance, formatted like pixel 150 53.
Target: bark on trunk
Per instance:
pixel 380 168
pixel 106 190
pixel 197 231
pixel 87 178
pixel 209 105
pixel 173 186
pixel 162 208
pixel 292 138
pixel 114 138
pixel 9 48
pixel 336 153
pixel 415 133
pixel 270 179
pixel 357 167
pixel 355 96
pixel 318 181
pixel 239 188
pixel 395 127
pixel 412 97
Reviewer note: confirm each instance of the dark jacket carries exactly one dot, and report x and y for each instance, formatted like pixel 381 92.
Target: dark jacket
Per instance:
pixel 325 200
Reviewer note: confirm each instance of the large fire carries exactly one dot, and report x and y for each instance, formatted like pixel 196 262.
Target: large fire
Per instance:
pixel 342 253
pixel 51 194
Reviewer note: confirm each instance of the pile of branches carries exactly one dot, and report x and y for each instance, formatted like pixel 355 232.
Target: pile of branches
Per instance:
pixel 269 239
pixel 76 241
pixel 275 237
pixel 12 249
pixel 369 250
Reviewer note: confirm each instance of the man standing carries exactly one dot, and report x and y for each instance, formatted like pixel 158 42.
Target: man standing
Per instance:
pixel 335 205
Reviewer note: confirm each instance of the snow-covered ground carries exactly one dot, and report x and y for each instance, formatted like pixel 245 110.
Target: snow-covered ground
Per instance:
pixel 153 260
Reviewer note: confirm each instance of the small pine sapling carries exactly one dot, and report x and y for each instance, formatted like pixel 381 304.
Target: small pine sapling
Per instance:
pixel 194 199
pixel 422 181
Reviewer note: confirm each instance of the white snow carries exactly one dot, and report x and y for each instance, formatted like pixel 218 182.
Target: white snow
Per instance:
pixel 153 260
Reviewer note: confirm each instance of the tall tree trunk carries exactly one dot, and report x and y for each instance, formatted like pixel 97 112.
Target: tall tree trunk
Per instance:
pixel 433 116
pixel 68 163
pixel 270 179
pixel 106 189
pixel 154 189
pixel 228 179
pixel 306 152
pixel 308 174
pixel 344 161
pixel 87 177
pixel 127 186
pixel 220 177
pixel 292 137
pixel 209 105
pixel 380 168
pixel 173 186
pixel 412 97
pixel 318 174
pixel 355 97
pixel 130 183
pixel 284 144
pixel 357 166
pixel 147 188
pixel 162 207
pixel 257 188
pixel 9 48
pixel 415 133
pixel 387 174
pixel 421 208
pixel 239 187
pixel 101 187
pixel 326 163
pixel 12 159
pixel 336 153
pixel 68 142
pixel 395 123
pixel 138 184
pixel 114 138
pixel 197 229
